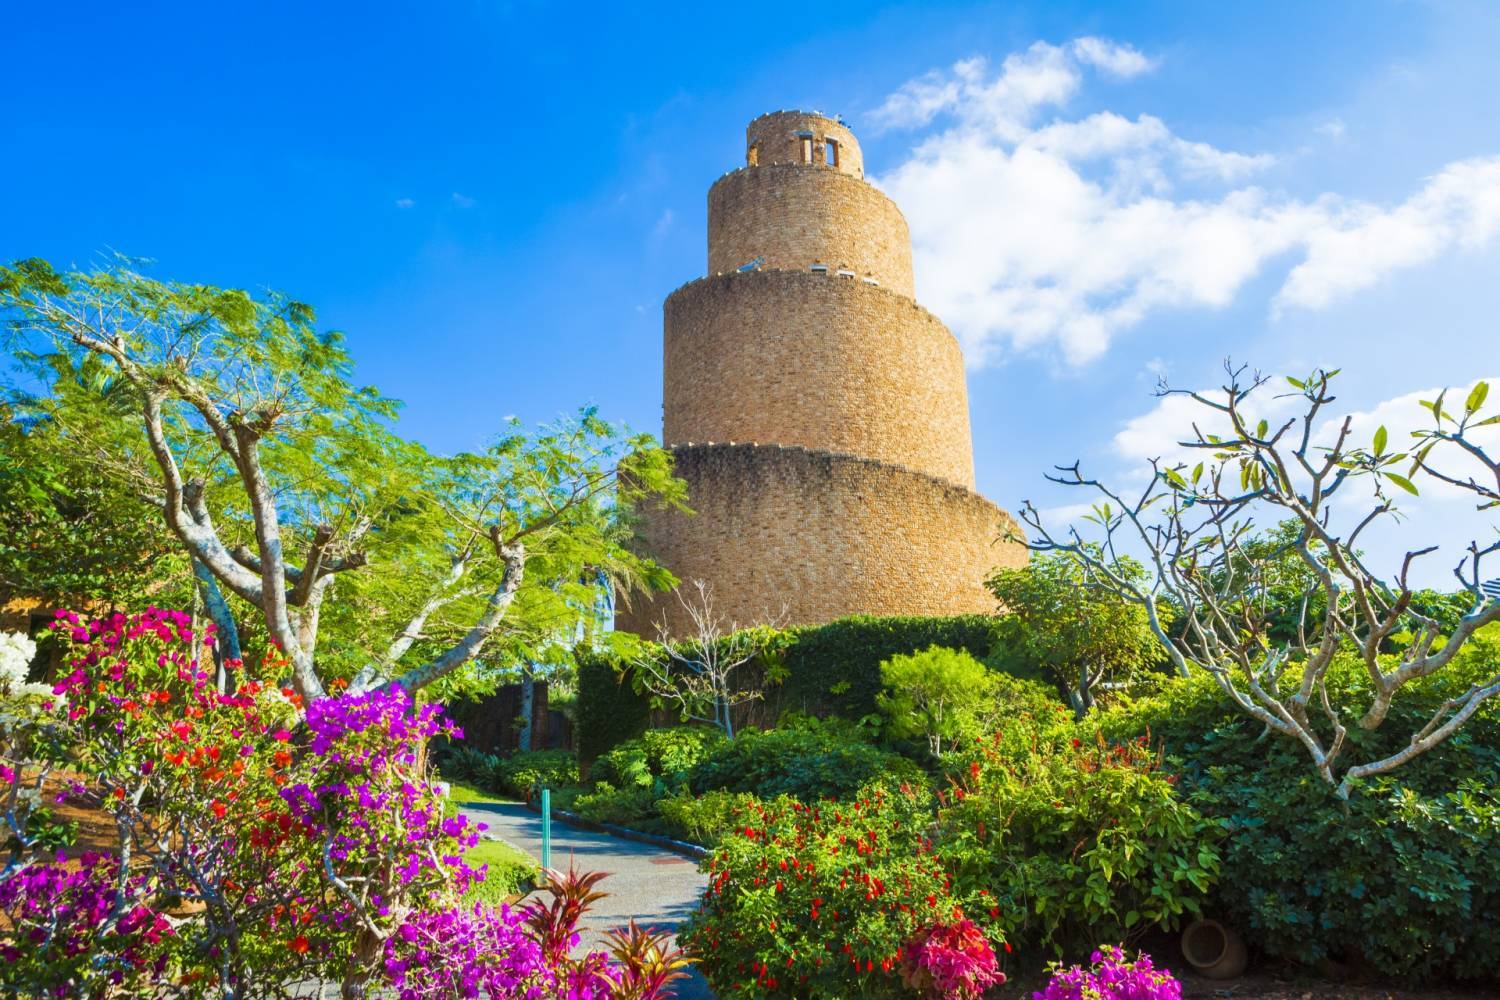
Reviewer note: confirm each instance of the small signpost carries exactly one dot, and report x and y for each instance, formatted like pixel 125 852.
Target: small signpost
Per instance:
pixel 546 828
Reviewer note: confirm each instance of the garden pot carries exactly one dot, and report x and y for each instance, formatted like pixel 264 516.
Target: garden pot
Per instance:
pixel 1213 950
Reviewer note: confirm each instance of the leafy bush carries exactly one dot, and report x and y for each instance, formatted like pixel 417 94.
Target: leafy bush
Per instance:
pixel 633 806
pixel 705 819
pixel 1067 843
pixel 820 901
pixel 474 766
pixel 608 711
pixel 657 755
pixel 807 759
pixel 526 773
pixel 834 669
pixel 937 694
pixel 1400 877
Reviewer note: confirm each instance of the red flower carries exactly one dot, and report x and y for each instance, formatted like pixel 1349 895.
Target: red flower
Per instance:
pixel 298 944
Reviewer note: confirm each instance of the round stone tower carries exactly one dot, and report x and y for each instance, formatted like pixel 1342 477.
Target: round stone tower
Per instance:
pixel 818 414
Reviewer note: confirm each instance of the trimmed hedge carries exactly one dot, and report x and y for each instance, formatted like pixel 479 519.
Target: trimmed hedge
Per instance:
pixel 831 670
pixel 834 669
pixel 609 711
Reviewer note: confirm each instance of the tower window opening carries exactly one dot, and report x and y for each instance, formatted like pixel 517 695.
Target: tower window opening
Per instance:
pixel 753 157
pixel 806 140
pixel 831 152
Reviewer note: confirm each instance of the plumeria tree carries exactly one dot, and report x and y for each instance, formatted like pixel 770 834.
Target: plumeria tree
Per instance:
pixel 699 670
pixel 299 507
pixel 1200 527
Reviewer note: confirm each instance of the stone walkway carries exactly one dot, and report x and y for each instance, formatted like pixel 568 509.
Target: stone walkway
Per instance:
pixel 656 887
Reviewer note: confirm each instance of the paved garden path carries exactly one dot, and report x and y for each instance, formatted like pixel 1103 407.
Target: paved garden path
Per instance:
pixel 656 887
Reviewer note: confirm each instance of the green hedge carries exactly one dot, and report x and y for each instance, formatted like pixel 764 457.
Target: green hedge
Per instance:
pixel 609 710
pixel 834 669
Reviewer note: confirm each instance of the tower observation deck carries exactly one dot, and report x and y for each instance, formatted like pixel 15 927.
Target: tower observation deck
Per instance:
pixel 818 414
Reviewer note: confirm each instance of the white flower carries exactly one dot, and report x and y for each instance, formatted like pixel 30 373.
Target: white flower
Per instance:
pixel 16 653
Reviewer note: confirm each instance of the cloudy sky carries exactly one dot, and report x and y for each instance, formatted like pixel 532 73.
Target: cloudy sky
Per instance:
pixel 493 199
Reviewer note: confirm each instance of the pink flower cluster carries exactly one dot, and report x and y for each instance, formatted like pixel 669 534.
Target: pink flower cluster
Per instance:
pixel 952 961
pixel 58 912
pixel 1111 977
pixel 478 952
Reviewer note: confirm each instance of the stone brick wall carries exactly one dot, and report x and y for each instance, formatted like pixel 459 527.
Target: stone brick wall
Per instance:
pixel 843 483
pixel 824 535
pixel 793 357
pixel 775 139
pixel 796 216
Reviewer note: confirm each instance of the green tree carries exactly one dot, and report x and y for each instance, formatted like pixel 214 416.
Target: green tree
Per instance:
pixel 1199 526
pixel 1075 634
pixel 938 694
pixel 286 485
pixel 70 534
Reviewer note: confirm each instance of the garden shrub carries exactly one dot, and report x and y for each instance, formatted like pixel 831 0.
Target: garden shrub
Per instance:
pixel 834 669
pixel 276 848
pixel 474 766
pixel 831 669
pixel 705 819
pixel 525 773
pixel 657 755
pixel 609 711
pixel 1400 877
pixel 1064 843
pixel 807 759
pixel 936 694
pixel 820 901
pixel 633 806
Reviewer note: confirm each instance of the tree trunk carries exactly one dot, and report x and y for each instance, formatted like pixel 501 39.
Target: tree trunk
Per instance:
pixel 528 709
pixel 227 647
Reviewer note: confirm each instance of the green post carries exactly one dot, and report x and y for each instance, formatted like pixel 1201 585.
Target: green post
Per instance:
pixel 546 828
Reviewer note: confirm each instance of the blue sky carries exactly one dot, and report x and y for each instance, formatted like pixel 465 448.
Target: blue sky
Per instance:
pixel 492 200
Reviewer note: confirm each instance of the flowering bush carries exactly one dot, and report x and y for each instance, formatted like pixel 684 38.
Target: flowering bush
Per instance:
pixel 287 846
pixel 950 961
pixel 821 900
pixel 30 745
pixel 458 952
pixel 1061 841
pixel 1111 977
pixel 68 926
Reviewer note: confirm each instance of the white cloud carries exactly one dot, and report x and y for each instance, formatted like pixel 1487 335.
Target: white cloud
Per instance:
pixel 1115 59
pixel 1333 128
pixel 1458 207
pixel 404 203
pixel 1056 236
pixel 463 200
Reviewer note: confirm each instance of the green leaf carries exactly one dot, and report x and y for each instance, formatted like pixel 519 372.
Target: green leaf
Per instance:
pixel 1403 482
pixel 1476 397
pixel 1380 439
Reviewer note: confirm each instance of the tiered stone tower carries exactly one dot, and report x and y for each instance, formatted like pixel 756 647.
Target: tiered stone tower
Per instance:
pixel 818 414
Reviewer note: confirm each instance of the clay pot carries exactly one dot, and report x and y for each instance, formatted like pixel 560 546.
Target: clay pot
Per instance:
pixel 1213 950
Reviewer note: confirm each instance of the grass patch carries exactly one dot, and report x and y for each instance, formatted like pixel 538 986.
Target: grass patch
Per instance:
pixel 511 872
pixel 460 793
